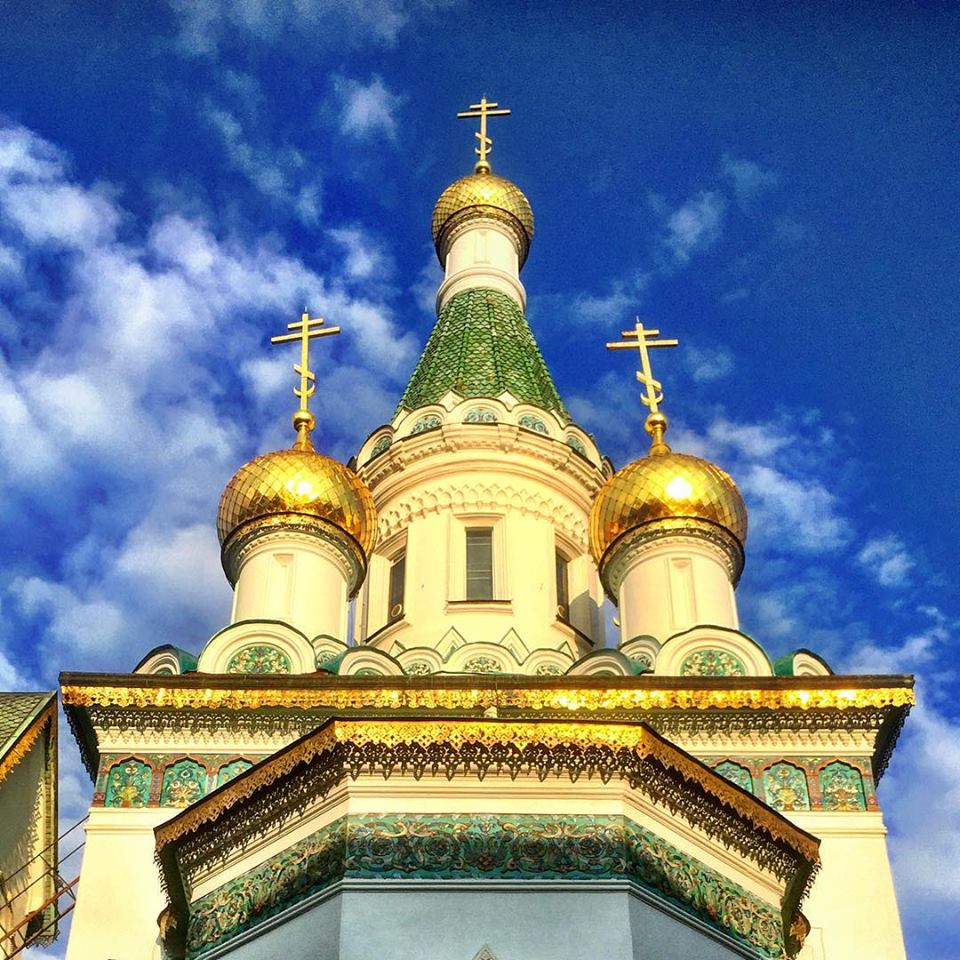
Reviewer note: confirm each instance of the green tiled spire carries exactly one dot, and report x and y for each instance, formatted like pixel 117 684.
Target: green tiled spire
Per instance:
pixel 482 346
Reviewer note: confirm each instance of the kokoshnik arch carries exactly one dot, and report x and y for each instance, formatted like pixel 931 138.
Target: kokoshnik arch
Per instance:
pixel 464 768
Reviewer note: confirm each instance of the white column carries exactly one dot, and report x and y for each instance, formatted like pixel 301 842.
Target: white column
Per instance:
pixel 672 584
pixel 484 254
pixel 297 579
pixel 119 896
pixel 852 907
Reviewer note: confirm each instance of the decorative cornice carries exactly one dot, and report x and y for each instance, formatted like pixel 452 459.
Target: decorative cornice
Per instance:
pixel 486 848
pixel 632 544
pixel 528 694
pixel 705 711
pixel 454 436
pixel 467 219
pixel 304 527
pixel 395 514
pixel 471 748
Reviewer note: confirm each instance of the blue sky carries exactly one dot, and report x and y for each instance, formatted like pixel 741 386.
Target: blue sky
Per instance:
pixel 777 186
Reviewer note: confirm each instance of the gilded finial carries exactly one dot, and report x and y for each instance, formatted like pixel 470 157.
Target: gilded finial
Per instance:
pixel 485 108
pixel 306 330
pixel 642 339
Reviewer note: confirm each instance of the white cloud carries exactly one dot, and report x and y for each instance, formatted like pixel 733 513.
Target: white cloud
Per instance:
pixel 205 24
pixel 695 225
pixel 749 179
pixel 77 626
pixel 424 288
pixel 887 559
pixel 921 794
pixel 365 259
pixel 803 511
pixel 367 109
pixel 280 174
pixel 154 384
pixel 705 366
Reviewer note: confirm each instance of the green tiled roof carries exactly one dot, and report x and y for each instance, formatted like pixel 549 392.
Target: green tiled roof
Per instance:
pixel 17 710
pixel 482 346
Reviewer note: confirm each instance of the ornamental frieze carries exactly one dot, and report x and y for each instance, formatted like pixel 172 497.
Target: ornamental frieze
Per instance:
pixel 505 847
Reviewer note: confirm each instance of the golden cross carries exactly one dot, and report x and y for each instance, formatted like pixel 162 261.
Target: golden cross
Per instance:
pixel 306 330
pixel 485 108
pixel 640 338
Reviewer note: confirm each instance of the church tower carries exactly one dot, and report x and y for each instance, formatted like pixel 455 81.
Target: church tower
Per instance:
pixel 461 765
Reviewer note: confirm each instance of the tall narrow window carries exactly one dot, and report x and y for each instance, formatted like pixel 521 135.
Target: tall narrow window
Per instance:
pixel 563 587
pixel 398 575
pixel 479 563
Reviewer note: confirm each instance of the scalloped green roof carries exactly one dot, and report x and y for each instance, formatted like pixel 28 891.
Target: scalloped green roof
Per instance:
pixel 482 346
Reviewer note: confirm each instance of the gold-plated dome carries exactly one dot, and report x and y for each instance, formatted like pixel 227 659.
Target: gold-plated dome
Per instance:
pixel 483 194
pixel 283 487
pixel 667 492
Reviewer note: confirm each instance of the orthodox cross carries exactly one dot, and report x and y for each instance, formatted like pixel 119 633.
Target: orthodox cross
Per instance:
pixel 485 108
pixel 642 339
pixel 306 330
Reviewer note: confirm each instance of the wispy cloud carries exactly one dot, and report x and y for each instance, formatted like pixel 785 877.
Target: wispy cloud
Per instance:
pixel 132 404
pixel 707 365
pixel 887 559
pixel 205 25
pixel 367 110
pixel 693 226
pixel 748 179
pixel 279 174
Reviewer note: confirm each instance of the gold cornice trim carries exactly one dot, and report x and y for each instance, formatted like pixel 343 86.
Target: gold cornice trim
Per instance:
pixel 248 696
pixel 459 734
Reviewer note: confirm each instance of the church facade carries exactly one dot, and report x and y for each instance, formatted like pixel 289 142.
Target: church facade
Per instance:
pixel 412 740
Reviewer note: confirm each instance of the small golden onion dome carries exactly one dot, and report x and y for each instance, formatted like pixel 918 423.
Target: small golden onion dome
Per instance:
pixel 483 194
pixel 665 493
pixel 295 488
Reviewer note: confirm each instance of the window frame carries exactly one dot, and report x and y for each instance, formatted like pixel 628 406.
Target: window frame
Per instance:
pixel 457 558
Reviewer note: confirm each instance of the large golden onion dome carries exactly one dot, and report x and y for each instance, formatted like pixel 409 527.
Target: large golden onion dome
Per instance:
pixel 296 488
pixel 483 194
pixel 664 493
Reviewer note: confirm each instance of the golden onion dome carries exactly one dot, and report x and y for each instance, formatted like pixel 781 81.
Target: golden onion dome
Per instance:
pixel 297 488
pixel 667 492
pixel 483 194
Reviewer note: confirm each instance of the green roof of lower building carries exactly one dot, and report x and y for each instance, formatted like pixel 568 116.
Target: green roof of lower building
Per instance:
pixel 482 346
pixel 17 712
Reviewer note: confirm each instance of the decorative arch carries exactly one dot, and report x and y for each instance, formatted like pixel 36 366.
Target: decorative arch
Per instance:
pixel 326 650
pixel 367 661
pixel 232 769
pixel 482 658
pixel 420 661
pixel 184 782
pixel 642 653
pixel 736 773
pixel 712 651
pixel 841 787
pixel 602 663
pixel 128 784
pixel 547 663
pixel 785 787
pixel 245 647
pixel 466 497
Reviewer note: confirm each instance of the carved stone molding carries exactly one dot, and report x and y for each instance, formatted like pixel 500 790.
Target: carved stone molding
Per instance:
pixel 624 551
pixel 457 496
pixel 339 546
